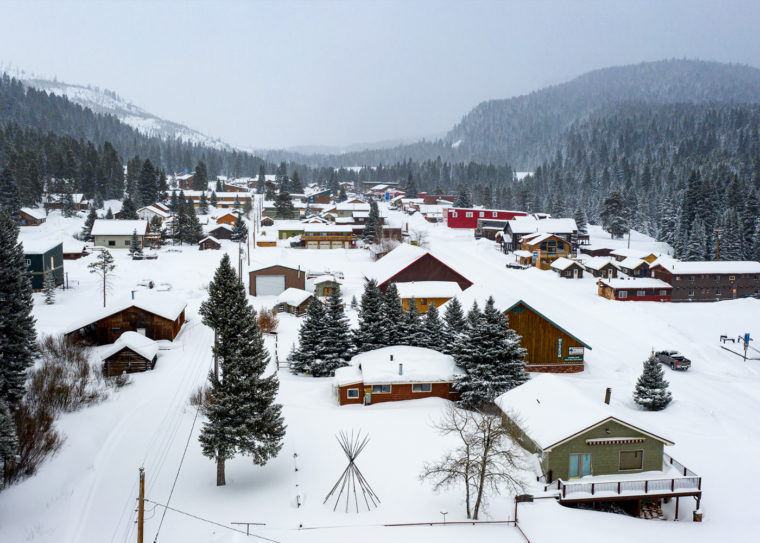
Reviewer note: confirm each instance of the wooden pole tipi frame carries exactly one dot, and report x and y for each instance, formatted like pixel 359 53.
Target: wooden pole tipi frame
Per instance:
pixel 352 446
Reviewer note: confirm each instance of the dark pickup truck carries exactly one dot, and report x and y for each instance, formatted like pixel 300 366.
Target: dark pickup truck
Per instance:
pixel 674 359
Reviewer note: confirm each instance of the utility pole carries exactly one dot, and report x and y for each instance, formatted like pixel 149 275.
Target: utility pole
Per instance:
pixel 141 507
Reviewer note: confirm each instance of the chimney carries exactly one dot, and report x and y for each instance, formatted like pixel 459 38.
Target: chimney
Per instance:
pixel 299 271
pixel 608 396
pixel 401 369
pixel 133 294
pixel 391 358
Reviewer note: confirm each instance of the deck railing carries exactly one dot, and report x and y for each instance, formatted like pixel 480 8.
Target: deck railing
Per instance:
pixel 690 481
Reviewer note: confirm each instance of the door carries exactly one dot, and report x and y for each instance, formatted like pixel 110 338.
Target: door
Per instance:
pixel 270 285
pixel 140 331
pixel 580 466
pixel 575 273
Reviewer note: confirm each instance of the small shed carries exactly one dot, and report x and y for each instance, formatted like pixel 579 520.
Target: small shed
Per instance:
pixel 266 239
pixel 565 267
pixel 600 266
pixel 42 258
pixel 396 373
pixel 524 258
pixel 427 293
pixel 293 301
pixel 227 218
pixel 221 231
pixel 31 217
pixel 267 221
pixel 131 353
pixel 274 280
pixel 325 284
pixel 209 242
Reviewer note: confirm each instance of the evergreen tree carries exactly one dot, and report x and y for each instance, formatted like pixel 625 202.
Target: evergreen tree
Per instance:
pixel 9 197
pixel 453 317
pixel 463 197
pixel 354 302
pixel 179 221
pixel 148 183
pixel 8 439
pixel 194 230
pixel 296 187
pixel 88 223
pixel 580 220
pixel 109 214
pixel 411 188
pixel 491 358
pixel 128 210
pixel 411 332
pixel 236 204
pixel 48 287
pixel 203 204
pixel 200 177
pixel 270 191
pixel 370 227
pixel 392 316
pixel 18 338
pixel 614 215
pixel 103 267
pixel 173 202
pixel 283 203
pixel 731 242
pixel 371 333
pixel 213 200
pixel 98 202
pixel 433 334
pixel 135 245
pixel 749 216
pixel 242 416
pixel 337 341
pixel 309 357
pixel 668 228
pixel 156 226
pixel 695 248
pixel 651 390
pixel 219 187
pixel 240 232
pixel 68 209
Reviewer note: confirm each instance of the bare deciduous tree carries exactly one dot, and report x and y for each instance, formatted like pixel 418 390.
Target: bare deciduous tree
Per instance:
pixel 487 461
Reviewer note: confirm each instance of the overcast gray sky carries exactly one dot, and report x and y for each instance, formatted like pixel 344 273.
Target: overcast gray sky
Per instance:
pixel 279 74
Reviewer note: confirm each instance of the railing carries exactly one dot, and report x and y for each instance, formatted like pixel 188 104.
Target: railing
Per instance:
pixel 666 458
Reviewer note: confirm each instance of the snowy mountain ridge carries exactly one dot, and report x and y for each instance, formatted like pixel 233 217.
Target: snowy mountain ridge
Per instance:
pixel 109 103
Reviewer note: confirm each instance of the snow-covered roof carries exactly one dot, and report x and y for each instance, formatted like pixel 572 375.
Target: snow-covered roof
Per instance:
pixel 345 206
pixel 563 263
pixel 38 246
pixel 344 220
pixel 35 213
pixel 155 210
pixel 209 238
pixel 632 284
pixel 360 214
pixel 634 253
pixel 632 262
pixel 379 187
pixel 535 240
pixel 325 279
pixel 522 253
pixel 222 226
pixel 158 303
pixel 293 296
pixel 116 227
pixel 315 228
pixel 145 347
pixel 712 267
pixel 527 225
pixel 430 209
pixel 549 410
pixel 399 258
pixel 419 366
pixel 428 289
pixel 598 262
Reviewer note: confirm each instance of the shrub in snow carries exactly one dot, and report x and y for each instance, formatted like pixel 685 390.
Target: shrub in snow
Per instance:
pixel 37 439
pixel 651 390
pixel 268 321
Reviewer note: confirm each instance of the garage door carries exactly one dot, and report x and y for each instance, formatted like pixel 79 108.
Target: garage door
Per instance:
pixel 270 285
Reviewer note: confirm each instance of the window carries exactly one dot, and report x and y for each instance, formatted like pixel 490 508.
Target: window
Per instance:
pixel 381 389
pixel 716 277
pixel 691 293
pixel 114 331
pixel 631 460
pixel 352 393
pixel 111 243
pixel 559 347
pixel 468 214
pixel 623 294
pixel 481 214
pixel 678 277
pixel 423 301
pixel 422 387
pixel 560 246
pixel 641 293
pixel 454 214
pixel 732 278
pixel 636 272
pixel 691 278
pixel 494 214
pixel 663 292
pixel 127 242
pixel 28 262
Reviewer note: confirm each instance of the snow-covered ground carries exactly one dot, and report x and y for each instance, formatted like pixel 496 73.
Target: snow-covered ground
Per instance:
pixel 87 491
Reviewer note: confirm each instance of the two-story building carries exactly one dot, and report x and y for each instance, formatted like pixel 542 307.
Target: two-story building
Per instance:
pixel 325 236
pixel 545 248
pixel 709 281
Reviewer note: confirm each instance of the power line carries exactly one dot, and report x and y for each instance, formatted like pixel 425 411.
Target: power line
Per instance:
pixel 176 477
pixel 196 517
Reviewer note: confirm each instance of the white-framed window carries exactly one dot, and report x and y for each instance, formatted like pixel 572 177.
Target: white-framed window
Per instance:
pixel 559 347
pixel 495 214
pixel 352 393
pixel 381 389
pixel 641 293
pixel 468 214
pixel 623 294
pixel 28 262
pixel 663 292
pixel 422 387
pixel 732 278
pixel 423 301
pixel 481 214
pixel 691 293
pixel 454 214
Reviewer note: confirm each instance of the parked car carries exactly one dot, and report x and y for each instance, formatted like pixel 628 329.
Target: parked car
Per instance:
pixel 674 359
pixel 516 266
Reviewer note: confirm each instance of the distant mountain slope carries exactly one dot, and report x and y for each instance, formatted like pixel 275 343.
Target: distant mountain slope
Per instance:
pixel 525 130
pixel 109 103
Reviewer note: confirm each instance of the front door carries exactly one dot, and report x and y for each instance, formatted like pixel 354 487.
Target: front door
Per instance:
pixel 580 466
pixel 575 273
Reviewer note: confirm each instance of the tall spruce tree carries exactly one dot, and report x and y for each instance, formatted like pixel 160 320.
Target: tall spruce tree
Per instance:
pixel 433 333
pixel 580 220
pixel 731 243
pixel 455 323
pixel 491 357
pixel 179 221
pixel 18 337
pixel 135 244
pixel 68 208
pixel 392 315
pixel 651 391
pixel 203 204
pixel 411 332
pixel 309 356
pixel 369 235
pixel 109 214
pixel 8 440
pixel 411 188
pixel 200 176
pixel 463 197
pixel 371 333
pixel 128 210
pixel 92 216
pixel 283 203
pixel 242 416
pixel 338 344
pixel 694 250
pixel 148 183
pixel 614 214
pixel 194 231
pixel 240 231
pixel 173 202
pixel 48 287
pixel 213 201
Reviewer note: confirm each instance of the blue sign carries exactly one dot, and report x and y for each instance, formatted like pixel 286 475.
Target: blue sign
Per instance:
pixel 746 338
pixel 387 195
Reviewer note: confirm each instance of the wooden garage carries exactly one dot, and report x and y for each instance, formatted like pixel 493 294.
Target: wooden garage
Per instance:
pixel 152 314
pixel 274 280
pixel 209 242
pixel 131 353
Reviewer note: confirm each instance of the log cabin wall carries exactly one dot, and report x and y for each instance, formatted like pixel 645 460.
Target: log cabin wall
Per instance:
pixel 127 361
pixel 131 319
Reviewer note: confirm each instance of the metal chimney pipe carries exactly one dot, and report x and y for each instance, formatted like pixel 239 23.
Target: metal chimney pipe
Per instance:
pixel 133 294
pixel 391 358
pixel 608 396
pixel 401 369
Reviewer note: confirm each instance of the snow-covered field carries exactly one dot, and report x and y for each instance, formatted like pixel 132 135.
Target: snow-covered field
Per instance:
pixel 87 491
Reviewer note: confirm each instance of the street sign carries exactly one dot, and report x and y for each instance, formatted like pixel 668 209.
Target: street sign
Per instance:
pixel 747 338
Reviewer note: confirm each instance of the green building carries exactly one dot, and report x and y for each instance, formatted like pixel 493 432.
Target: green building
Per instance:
pixel 43 257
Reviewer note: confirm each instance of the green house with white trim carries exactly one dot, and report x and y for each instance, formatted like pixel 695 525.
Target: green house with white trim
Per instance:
pixel 43 257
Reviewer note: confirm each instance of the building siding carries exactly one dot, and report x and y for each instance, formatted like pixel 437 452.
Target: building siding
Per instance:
pixel 399 392
pixel 293 278
pixel 427 268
